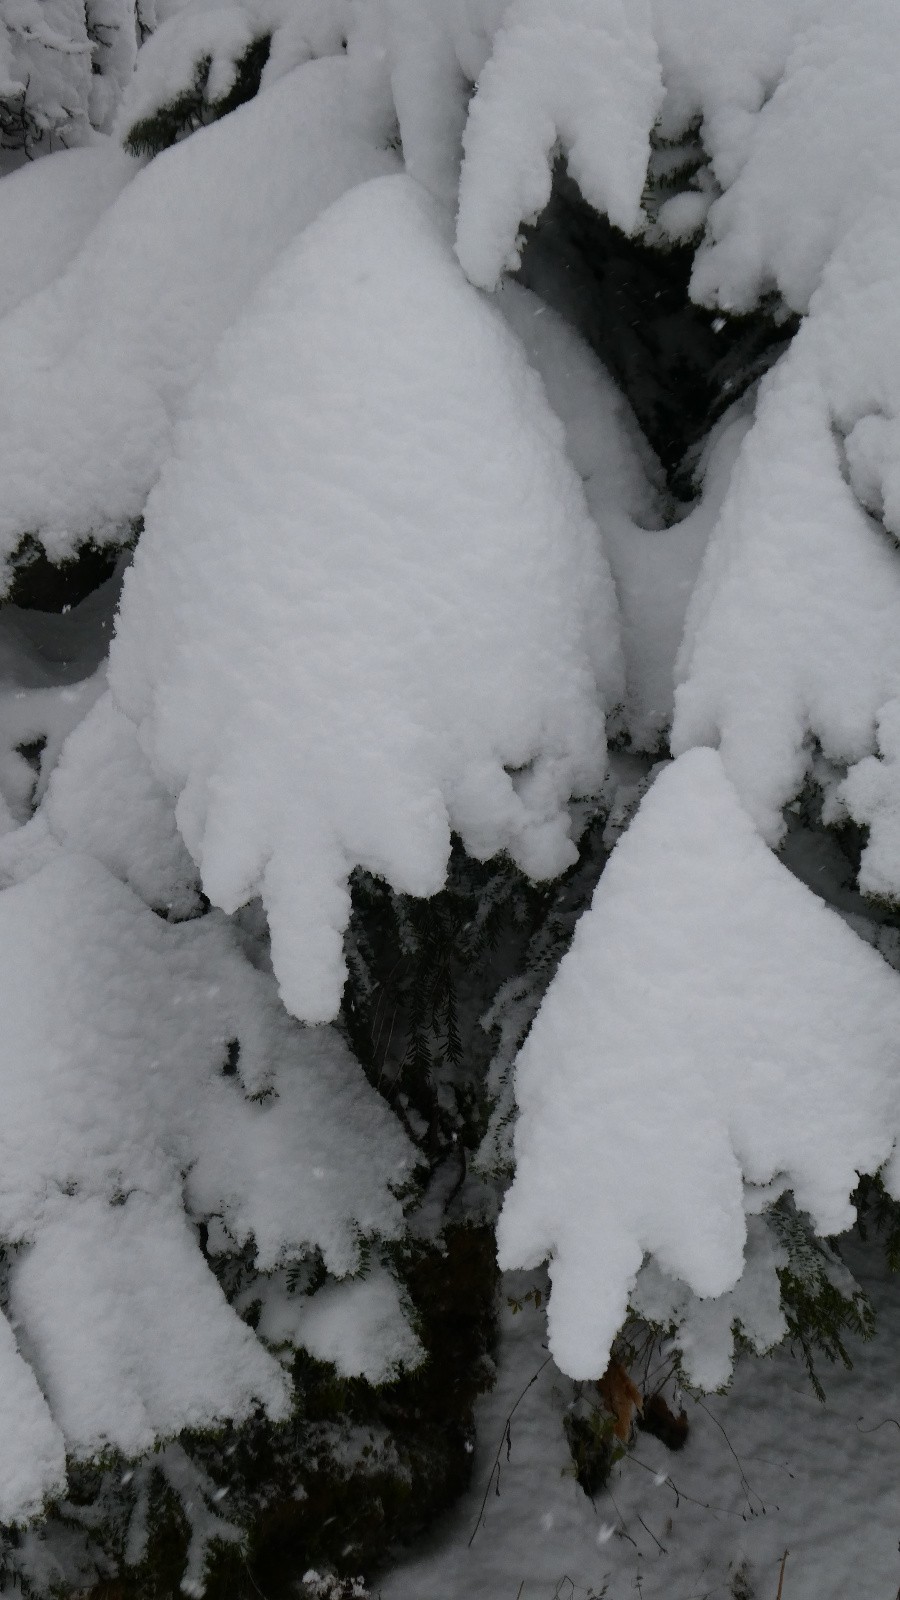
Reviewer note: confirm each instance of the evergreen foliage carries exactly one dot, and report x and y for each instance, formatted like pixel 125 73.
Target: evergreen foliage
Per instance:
pixel 194 108
pixel 292 1153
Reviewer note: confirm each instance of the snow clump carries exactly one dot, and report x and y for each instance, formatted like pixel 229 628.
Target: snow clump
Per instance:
pixel 393 616
pixel 714 1033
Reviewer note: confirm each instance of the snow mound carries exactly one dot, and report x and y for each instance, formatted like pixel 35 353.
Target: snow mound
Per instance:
pixel 48 208
pixel 94 371
pixel 104 800
pixel 583 74
pixel 369 606
pixel 45 67
pixel 118 1113
pixel 32 1450
pixel 708 1000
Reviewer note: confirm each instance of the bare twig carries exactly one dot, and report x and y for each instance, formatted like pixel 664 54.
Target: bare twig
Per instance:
pixel 781 1575
pixel 667 1483
pixel 745 1483
pixel 506 1438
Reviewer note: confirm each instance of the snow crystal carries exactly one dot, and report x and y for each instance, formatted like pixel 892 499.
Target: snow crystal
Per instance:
pixel 369 605
pixel 707 1003
pixel 362 1326
pixel 584 73
pixel 94 370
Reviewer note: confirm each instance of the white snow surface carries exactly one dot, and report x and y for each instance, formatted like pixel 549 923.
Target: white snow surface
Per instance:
pixel 655 568
pixel 45 65
pixel 794 627
pixel 126 820
pixel 369 605
pixel 362 1326
pixel 95 370
pixel 220 33
pixel 48 208
pixel 32 1449
pixel 130 1334
pixel 766 1468
pixel 704 1330
pixel 168 63
pixel 119 1113
pixel 583 74
pixel 707 1001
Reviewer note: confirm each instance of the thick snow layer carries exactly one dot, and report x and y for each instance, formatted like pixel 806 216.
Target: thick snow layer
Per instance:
pixel 37 717
pixel 103 799
pixel 707 1002
pixel 794 628
pixel 583 74
pixel 369 606
pixel 792 635
pixel 129 1332
pixel 766 1468
pixel 115 1111
pixel 436 52
pixel 871 795
pixel 32 1451
pixel 48 208
pixel 362 1326
pixel 704 1330
pixel 168 63
pixel 214 32
pixel 45 66
pixel 94 371
pixel 655 568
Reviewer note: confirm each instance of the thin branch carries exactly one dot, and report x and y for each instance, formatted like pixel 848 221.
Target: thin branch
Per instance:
pixel 745 1482
pixel 506 1438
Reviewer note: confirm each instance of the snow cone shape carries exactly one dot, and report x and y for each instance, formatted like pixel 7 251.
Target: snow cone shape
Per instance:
pixel 370 605
pixel 713 1024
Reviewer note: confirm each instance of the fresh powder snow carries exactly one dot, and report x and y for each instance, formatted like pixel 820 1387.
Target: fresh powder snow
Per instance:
pixel 94 371
pixel 392 616
pixel 714 1036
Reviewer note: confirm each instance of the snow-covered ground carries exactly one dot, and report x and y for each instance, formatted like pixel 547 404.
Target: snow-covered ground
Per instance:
pixel 767 1468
